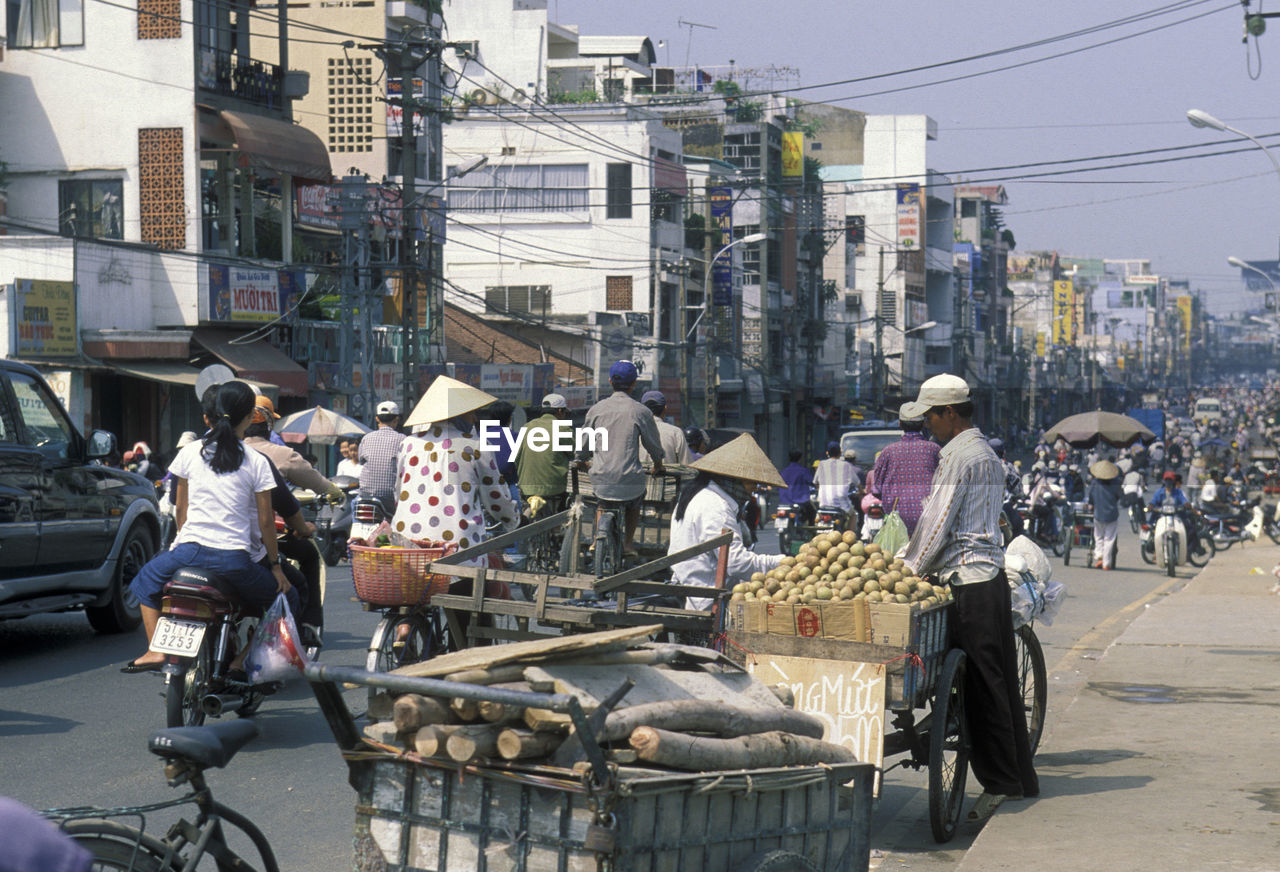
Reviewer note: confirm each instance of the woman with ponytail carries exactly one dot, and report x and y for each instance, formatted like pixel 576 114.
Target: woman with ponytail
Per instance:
pixel 224 518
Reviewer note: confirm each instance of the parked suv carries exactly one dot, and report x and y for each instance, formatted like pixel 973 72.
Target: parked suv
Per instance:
pixel 73 533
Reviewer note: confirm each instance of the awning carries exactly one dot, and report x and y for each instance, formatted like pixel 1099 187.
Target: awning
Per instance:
pixel 256 361
pixel 278 145
pixel 168 372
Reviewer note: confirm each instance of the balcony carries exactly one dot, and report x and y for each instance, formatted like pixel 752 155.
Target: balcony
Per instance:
pixel 228 75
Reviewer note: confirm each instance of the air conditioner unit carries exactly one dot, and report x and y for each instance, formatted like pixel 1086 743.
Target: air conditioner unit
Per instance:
pixel 853 301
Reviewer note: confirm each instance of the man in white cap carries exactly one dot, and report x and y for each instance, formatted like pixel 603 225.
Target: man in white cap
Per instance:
pixel 903 472
pixel 714 501
pixel 958 540
pixel 378 452
pixel 544 471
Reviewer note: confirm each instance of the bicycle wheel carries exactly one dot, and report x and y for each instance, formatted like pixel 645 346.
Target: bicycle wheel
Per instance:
pixel 605 561
pixel 116 846
pixel 184 691
pixel 1033 680
pixel 1068 539
pixel 1148 550
pixel 399 639
pixel 948 748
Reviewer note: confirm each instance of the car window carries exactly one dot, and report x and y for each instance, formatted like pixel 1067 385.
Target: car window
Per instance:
pixel 868 444
pixel 43 424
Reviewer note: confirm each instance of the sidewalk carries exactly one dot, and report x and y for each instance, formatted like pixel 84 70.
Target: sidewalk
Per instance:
pixel 1169 757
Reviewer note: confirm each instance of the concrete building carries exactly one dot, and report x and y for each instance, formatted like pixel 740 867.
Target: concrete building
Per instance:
pixel 179 170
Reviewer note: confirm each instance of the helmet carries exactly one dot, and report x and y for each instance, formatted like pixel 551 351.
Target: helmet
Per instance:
pixel 850 454
pixel 1169 475
pixel 654 399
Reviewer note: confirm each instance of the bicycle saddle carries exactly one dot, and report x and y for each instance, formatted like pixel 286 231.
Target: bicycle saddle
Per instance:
pixel 198 581
pixel 210 745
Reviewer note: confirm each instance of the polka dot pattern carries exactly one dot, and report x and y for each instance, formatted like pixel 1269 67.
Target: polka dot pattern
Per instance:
pixel 450 489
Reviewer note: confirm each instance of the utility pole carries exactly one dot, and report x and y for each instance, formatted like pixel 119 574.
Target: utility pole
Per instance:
pixel 878 359
pixel 403 66
pixel 353 204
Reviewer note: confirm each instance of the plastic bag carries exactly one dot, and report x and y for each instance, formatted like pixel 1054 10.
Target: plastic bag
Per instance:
pixel 277 653
pixel 893 535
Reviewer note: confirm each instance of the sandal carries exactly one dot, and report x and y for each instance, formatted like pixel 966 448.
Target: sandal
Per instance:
pixel 133 666
pixel 986 806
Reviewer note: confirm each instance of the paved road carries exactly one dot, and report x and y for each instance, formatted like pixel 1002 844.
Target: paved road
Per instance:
pixel 73 729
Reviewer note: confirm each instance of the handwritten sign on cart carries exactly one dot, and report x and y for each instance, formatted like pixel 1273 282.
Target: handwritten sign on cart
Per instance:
pixel 848 696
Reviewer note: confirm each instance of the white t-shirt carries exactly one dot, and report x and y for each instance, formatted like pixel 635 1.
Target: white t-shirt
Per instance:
pixel 349 467
pixel 222 509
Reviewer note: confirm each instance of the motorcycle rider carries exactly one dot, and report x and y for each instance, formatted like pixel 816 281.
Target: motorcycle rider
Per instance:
pixel 1172 488
pixel 299 473
pixel 799 485
pixel 836 479
pixel 1012 486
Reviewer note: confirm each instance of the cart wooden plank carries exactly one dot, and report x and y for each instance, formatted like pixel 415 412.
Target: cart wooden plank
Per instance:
pixel 613 582
pixel 592 683
pixel 479 658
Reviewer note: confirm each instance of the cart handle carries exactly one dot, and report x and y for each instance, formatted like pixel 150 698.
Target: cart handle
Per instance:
pixel 324 677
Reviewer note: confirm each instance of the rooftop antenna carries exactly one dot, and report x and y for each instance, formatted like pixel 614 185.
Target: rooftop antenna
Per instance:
pixel 689 44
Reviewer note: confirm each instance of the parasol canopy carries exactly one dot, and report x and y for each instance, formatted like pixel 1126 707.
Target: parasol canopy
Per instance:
pixel 1088 428
pixel 319 425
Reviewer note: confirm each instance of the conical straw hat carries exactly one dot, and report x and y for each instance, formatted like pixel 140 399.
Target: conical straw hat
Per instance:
pixel 447 398
pixel 1104 470
pixel 741 458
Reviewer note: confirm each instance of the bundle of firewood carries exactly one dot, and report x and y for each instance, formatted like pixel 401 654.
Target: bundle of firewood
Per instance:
pixel 684 708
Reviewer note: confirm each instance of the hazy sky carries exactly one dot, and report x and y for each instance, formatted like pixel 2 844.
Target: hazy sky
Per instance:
pixel 1187 216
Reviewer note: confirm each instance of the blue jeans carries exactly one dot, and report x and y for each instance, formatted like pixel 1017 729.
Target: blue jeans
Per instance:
pixel 254 582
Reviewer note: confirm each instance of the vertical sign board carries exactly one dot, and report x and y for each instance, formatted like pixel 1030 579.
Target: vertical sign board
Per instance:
pixel 1063 306
pixel 847 696
pixel 793 155
pixel 43 315
pixel 1184 310
pixel 722 270
pixel 910 224
pixel 1040 349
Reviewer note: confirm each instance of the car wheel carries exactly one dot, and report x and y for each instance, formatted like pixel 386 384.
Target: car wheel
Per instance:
pixel 122 613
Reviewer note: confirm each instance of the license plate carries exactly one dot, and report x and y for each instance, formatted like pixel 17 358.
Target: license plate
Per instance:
pixel 182 638
pixel 780 523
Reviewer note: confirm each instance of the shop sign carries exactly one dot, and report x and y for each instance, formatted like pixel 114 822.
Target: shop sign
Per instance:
pixel 909 208
pixel 252 294
pixel 43 315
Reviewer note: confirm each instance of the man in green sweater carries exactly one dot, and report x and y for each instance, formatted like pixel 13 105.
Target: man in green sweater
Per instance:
pixel 543 473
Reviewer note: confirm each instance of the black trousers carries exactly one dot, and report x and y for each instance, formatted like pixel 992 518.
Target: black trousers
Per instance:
pixel 994 708
pixel 308 556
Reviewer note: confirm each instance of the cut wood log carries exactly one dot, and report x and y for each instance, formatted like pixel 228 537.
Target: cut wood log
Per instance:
pixel 785 694
pixel 583 644
pixel 701 754
pixel 699 716
pixel 473 741
pixel 384 732
pixel 515 744
pixel 465 709
pixel 492 675
pixel 545 720
pixel 430 740
pixel 501 713
pixel 413 710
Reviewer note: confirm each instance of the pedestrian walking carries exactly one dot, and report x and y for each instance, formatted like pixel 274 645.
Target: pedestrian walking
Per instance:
pixel 1104 494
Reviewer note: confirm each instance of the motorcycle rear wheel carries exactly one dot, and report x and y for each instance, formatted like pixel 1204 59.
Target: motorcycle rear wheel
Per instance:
pixel 185 690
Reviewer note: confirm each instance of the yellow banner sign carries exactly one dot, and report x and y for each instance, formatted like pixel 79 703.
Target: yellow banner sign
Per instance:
pixel 44 317
pixel 1064 300
pixel 792 154
pixel 1184 309
pixel 1040 349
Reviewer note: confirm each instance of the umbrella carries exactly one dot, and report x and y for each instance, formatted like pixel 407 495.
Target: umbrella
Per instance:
pixel 319 425
pixel 1213 442
pixel 1088 428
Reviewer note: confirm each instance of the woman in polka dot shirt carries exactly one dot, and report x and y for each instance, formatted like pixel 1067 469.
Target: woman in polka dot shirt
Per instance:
pixel 448 489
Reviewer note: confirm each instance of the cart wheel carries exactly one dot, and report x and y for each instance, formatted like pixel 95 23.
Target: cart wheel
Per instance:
pixel 948 749
pixel 775 861
pixel 1033 681
pixel 392 647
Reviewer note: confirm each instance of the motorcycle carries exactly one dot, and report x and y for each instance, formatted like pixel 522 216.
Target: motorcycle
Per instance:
pixel 872 522
pixel 1228 528
pixel 786 522
pixel 367 516
pixel 1165 544
pixel 332 517
pixel 1271 526
pixel 1048 524
pixel 203 624
pixel 830 518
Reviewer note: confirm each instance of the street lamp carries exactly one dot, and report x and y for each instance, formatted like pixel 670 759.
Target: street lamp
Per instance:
pixel 1200 118
pixel 709 351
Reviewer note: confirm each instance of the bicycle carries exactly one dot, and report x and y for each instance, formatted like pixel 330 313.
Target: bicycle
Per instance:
pixel 187 752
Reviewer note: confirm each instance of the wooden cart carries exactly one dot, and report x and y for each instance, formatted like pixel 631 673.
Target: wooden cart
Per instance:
pixel 862 688
pixel 418 813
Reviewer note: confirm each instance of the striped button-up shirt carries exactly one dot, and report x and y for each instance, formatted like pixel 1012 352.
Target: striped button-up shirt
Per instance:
pixel 903 476
pixel 958 536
